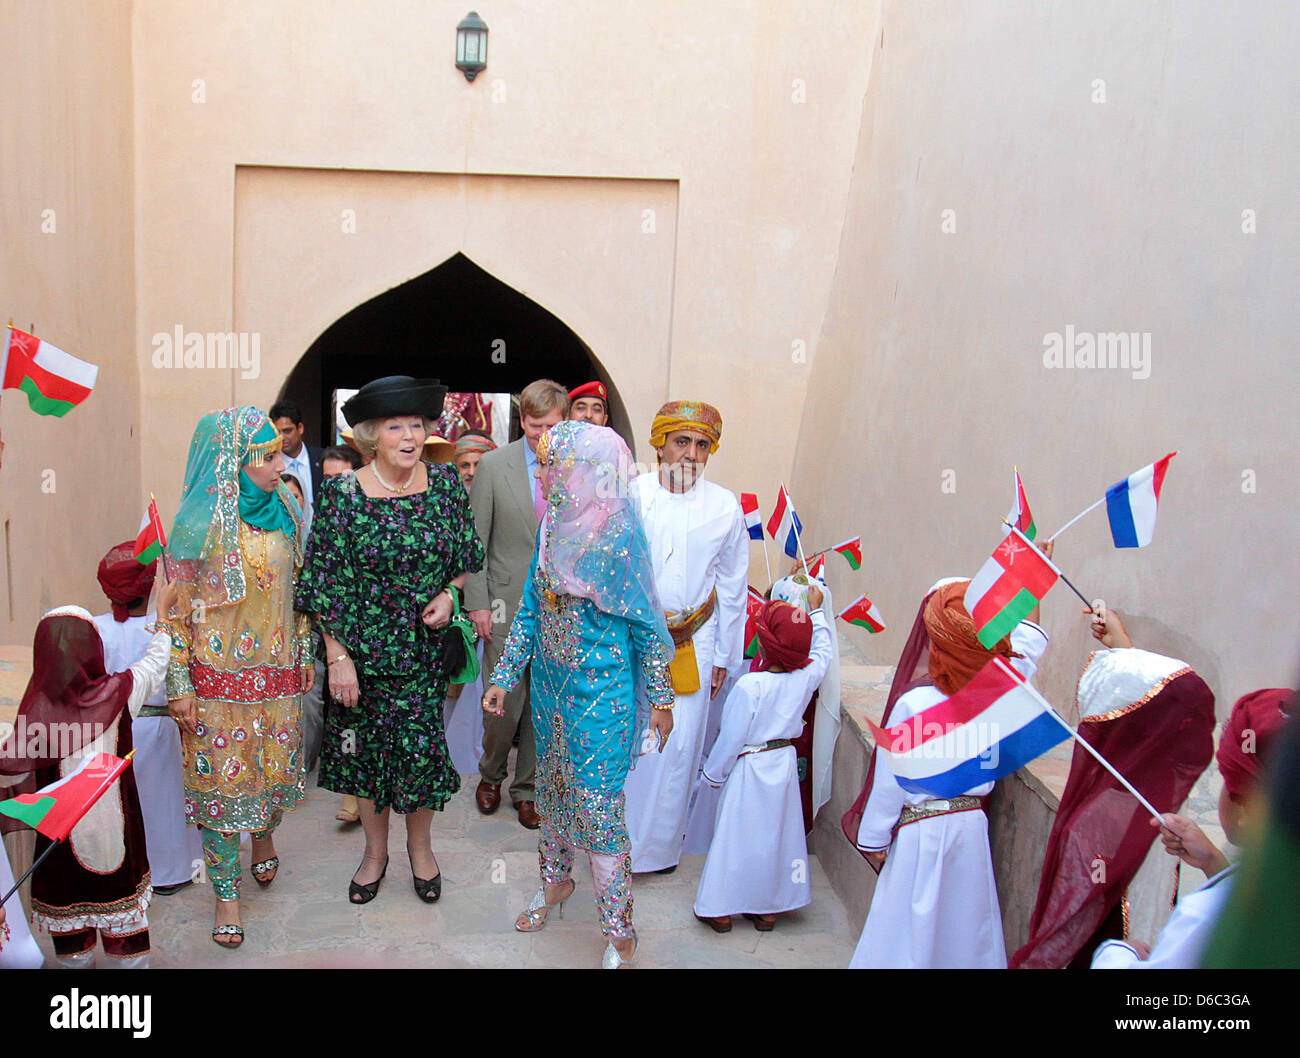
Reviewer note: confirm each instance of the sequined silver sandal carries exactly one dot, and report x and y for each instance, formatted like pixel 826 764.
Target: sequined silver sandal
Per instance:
pixel 613 960
pixel 535 914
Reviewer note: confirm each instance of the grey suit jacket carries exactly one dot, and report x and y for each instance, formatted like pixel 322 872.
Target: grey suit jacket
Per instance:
pixel 502 500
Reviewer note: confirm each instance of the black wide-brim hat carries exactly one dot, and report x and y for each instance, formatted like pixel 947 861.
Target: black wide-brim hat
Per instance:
pixel 395 395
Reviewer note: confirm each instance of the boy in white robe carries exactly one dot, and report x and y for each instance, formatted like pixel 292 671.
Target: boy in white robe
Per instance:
pixel 758 860
pixel 175 853
pixel 936 901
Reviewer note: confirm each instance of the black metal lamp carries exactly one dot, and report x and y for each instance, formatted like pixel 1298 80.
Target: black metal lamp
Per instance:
pixel 471 45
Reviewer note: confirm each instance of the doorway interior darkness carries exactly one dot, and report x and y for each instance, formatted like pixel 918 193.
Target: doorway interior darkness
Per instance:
pixel 457 323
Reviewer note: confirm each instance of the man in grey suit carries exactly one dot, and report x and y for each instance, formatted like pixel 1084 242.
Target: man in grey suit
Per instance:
pixel 507 508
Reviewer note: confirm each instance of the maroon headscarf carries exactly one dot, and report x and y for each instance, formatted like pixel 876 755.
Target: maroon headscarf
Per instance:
pixel 784 634
pixel 68 687
pixel 123 579
pixel 1255 721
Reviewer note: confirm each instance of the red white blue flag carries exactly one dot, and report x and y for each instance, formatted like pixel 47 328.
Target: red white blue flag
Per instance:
pixel 784 526
pixel 753 520
pixel 994 725
pixel 1131 504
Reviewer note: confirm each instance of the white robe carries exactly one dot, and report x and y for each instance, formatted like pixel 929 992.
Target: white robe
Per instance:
pixel 758 860
pixel 936 902
pixel 1183 941
pixel 175 851
pixel 698 543
pixel 20 951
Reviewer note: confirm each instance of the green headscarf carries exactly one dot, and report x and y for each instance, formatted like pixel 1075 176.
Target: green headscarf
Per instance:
pixel 205 536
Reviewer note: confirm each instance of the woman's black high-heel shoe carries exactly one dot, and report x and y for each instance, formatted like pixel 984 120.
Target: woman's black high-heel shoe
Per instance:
pixel 427 889
pixel 363 894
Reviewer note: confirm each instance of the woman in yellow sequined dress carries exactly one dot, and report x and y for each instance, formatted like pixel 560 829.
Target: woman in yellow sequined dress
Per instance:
pixel 240 655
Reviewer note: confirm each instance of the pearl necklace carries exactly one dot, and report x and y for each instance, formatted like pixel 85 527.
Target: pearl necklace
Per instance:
pixel 399 489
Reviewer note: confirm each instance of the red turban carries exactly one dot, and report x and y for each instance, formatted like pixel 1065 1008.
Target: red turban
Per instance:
pixel 785 634
pixel 956 655
pixel 123 579
pixel 1254 723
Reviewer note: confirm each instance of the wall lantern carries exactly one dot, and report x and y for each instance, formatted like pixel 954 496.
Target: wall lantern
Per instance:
pixel 471 45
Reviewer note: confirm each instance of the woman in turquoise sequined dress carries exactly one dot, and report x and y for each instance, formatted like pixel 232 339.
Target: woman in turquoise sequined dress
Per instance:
pixel 591 626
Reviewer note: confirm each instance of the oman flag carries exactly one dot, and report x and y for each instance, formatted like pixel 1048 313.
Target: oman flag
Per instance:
pixel 1020 515
pixel 1131 504
pixel 151 541
pixel 753 520
pixel 865 614
pixel 54 382
pixel 1009 585
pixel 852 552
pixel 55 809
pixel 753 603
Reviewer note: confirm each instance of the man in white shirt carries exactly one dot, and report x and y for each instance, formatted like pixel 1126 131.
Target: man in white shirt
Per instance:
pixel 301 460
pixel 700 551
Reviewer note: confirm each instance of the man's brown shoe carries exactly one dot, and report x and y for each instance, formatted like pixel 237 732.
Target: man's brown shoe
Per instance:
pixel 528 816
pixel 487 796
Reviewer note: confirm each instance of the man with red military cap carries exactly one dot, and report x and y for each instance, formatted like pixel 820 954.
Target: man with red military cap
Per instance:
pixel 589 403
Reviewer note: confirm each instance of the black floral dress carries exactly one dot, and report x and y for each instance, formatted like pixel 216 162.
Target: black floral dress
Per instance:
pixel 372 565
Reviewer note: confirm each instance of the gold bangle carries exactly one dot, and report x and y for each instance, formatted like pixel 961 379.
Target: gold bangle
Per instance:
pixel 341 657
pixel 665 708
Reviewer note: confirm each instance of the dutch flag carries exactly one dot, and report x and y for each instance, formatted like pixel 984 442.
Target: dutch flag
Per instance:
pixel 992 726
pixel 1131 504
pixel 784 526
pixel 753 520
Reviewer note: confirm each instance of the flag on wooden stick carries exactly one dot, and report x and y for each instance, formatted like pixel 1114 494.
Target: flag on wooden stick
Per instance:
pixel 852 552
pixel 1019 515
pixel 53 381
pixel 1131 504
pixel 1010 584
pixel 990 728
pixel 152 539
pixel 753 520
pixel 784 526
pixel 865 614
pixel 55 809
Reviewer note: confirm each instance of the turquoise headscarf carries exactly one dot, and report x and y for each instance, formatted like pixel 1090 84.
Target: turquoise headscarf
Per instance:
pixel 218 494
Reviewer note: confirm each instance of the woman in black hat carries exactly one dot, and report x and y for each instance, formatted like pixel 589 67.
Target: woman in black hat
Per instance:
pixel 389 544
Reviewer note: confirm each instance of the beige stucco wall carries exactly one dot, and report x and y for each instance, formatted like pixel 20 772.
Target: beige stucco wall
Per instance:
pixel 69 487
pixel 1123 215
pixel 290 223
pixel 735 126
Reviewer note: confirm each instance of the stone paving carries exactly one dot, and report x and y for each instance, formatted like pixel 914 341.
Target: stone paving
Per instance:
pixel 489 867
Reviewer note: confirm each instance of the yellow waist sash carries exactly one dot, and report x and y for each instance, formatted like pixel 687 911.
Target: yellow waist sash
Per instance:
pixel 684 672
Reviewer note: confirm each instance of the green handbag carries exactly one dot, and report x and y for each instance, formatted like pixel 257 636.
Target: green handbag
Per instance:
pixel 459 656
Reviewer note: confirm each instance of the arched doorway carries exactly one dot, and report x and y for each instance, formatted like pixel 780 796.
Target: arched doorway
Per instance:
pixel 457 323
